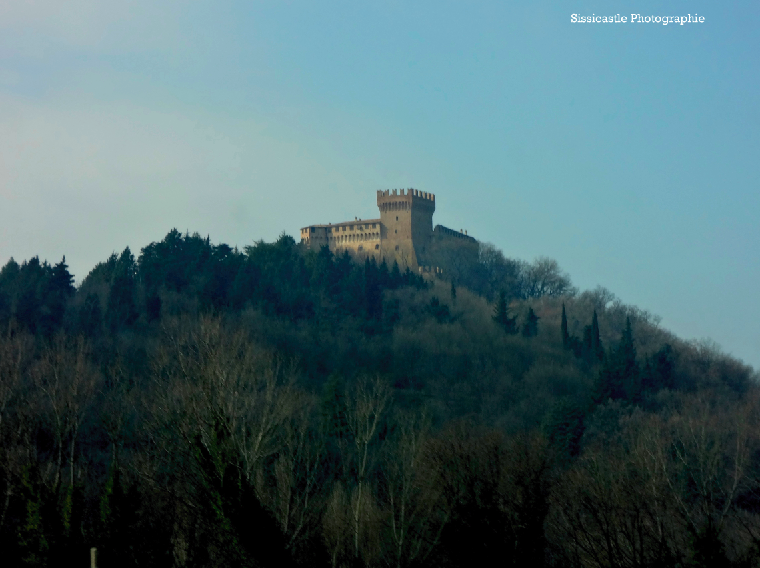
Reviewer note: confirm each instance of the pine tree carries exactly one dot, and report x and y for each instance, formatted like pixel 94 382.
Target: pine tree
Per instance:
pixel 453 293
pixel 121 302
pixel 61 279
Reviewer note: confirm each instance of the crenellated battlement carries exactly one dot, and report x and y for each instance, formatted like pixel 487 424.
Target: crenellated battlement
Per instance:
pixel 405 199
pixel 410 193
pixel 404 232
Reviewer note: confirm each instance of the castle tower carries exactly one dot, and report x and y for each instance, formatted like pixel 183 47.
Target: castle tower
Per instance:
pixel 406 219
pixel 404 233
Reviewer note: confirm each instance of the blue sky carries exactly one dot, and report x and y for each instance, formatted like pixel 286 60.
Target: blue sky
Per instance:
pixel 628 152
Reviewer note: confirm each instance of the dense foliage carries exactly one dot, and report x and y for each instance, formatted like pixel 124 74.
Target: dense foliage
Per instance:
pixel 205 406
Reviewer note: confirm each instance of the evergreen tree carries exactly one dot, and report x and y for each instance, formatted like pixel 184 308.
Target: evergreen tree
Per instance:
pixel 658 373
pixel 58 289
pixel 153 307
pixel 564 427
pixel 453 293
pixel 396 279
pixel 586 344
pixel 373 296
pixel 620 377
pixel 8 290
pixel 384 274
pixel 30 285
pixel 530 328
pixel 438 310
pixel 334 418
pixel 234 528
pixel 61 281
pixel 121 309
pixel 563 328
pixel 501 315
pixel 596 343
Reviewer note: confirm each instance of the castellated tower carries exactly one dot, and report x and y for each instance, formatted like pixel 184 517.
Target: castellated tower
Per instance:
pixel 404 233
pixel 406 218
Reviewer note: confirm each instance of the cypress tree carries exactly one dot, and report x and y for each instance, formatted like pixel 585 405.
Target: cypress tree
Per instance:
pixel 501 315
pixel 384 274
pixel 596 342
pixel 563 327
pixel 629 368
pixel 620 377
pixel 530 328
pixel 586 344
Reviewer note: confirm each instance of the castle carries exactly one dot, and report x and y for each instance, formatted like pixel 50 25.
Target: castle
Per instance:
pixel 404 233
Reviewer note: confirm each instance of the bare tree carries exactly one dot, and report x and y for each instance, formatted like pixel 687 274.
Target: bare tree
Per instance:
pixel 67 382
pixel 663 491
pixel 410 506
pixel 544 277
pixel 365 407
pixel 300 482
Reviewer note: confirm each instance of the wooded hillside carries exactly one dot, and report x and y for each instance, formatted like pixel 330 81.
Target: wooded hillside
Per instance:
pixel 204 406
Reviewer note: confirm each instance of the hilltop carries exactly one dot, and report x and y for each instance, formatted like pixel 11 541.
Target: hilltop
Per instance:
pixel 199 405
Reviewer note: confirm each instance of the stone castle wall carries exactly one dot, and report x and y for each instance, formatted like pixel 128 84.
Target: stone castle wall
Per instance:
pixel 404 233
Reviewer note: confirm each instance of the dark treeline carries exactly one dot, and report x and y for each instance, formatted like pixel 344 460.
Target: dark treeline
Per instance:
pixel 204 406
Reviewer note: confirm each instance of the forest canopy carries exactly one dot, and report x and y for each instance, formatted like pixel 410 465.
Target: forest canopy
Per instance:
pixel 200 405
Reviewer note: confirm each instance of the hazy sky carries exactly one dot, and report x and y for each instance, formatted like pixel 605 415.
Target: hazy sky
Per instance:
pixel 628 152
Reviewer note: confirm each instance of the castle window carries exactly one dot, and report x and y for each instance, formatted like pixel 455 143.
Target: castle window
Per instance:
pixel 396 218
pixel 374 225
pixel 396 247
pixel 352 227
pixel 395 231
pixel 377 247
pixel 361 247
